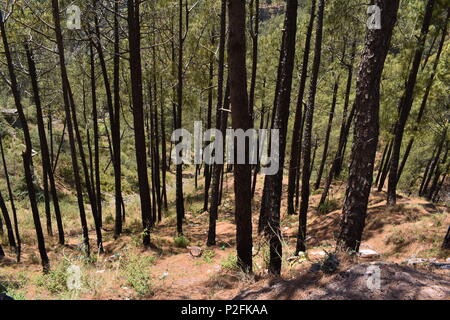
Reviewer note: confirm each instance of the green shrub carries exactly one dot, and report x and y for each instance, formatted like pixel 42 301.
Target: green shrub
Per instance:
pixel 208 256
pixel 328 206
pixel 230 263
pixel 135 269
pixel 181 242
pixel 56 280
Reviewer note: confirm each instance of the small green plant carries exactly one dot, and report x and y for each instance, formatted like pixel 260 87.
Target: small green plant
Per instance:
pixel 230 263
pixel 109 219
pixel 397 238
pixel 135 269
pixel 208 256
pixel 328 206
pixel 56 280
pixel 181 242
pixel 11 286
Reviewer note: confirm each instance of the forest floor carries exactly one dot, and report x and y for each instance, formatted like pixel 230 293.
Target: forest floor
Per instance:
pixel 405 241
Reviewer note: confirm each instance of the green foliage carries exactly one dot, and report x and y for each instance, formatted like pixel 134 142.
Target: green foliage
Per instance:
pixel 328 206
pixel 181 242
pixel 12 285
pixel 135 270
pixel 230 263
pixel 56 280
pixel 208 256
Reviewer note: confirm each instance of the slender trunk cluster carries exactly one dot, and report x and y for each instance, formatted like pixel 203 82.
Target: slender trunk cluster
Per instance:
pixel 27 153
pixel 406 104
pixel 307 138
pixel 274 183
pixel 296 147
pixel 221 123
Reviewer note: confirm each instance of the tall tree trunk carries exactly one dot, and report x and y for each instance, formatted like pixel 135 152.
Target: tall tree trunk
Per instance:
pixel 221 117
pixel 48 212
pixel 425 98
pixel 406 104
pixel 241 120
pixel 2 232
pixel 435 197
pixel 116 133
pixel 254 35
pixel 275 182
pixel 309 116
pixel 113 104
pixel 383 161
pixel 446 243
pixel 156 158
pixel 87 178
pixel 67 109
pixel 434 164
pixel 386 168
pixel 26 154
pixel 47 166
pixel 327 135
pixel 347 118
pixel 338 157
pixel 294 164
pixel 179 119
pixel 8 224
pixel 11 200
pixel 96 165
pixel 365 142
pixel 163 150
pixel 134 41
pixel 209 126
pixel 427 170
pixel 437 175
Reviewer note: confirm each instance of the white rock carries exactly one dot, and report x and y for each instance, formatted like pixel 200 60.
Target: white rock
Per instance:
pixel 368 253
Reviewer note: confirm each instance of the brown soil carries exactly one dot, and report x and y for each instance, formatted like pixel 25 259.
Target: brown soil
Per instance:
pixel 413 228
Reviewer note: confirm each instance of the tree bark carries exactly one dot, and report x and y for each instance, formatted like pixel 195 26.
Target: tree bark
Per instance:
pixel 67 109
pixel 446 243
pixel 254 35
pixel 241 120
pixel 275 182
pixel 47 166
pixel 366 134
pixel 134 41
pixel 221 121
pixel 8 224
pixel 26 154
pixel 327 135
pixel 309 117
pixel 434 164
pixel 116 132
pixel 347 118
pixel 294 163
pixel 179 120
pixel 11 200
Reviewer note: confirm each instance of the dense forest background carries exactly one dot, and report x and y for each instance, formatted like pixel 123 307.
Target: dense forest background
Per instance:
pixel 87 114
